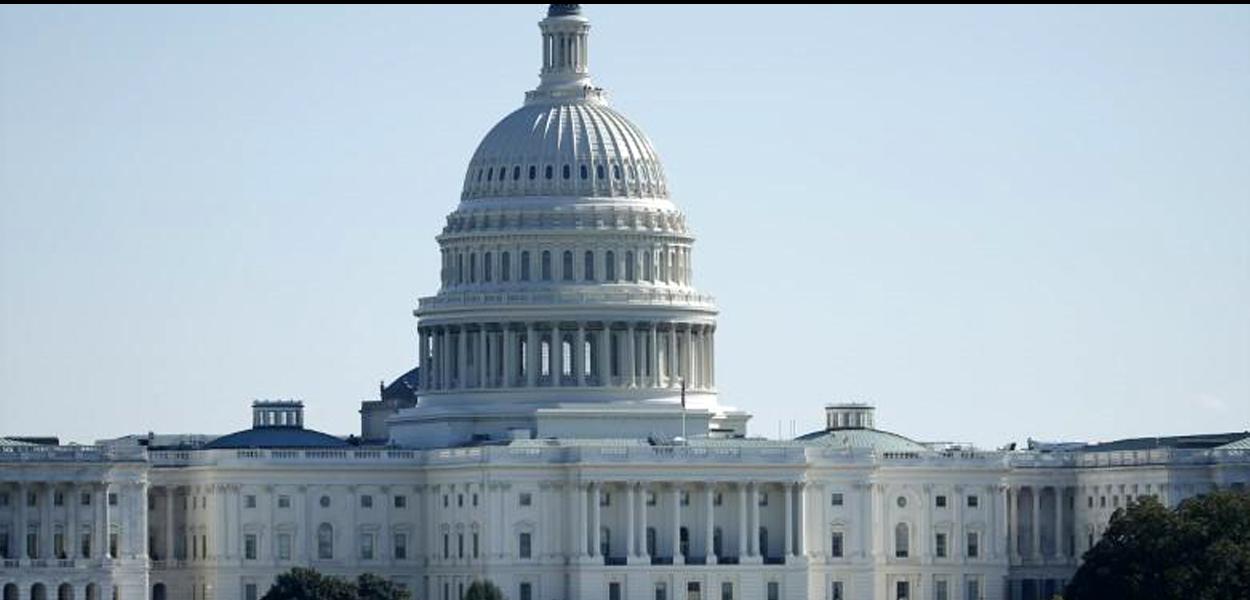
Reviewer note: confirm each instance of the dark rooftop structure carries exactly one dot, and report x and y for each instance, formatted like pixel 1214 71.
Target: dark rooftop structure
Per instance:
pixel 277 424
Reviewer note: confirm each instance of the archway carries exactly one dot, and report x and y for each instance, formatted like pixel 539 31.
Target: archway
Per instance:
pixel 158 592
pixel 38 592
pixel 65 591
pixel 10 591
pixel 93 591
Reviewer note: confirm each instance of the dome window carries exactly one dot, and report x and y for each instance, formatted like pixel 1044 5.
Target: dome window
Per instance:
pixel 567 266
pixel 589 267
pixel 546 265
pixel 505 266
pixel 566 172
pixel 585 172
pixel 533 172
pixel 490 173
pixel 516 173
pixel 599 171
pixel 616 171
pixel 549 171
pixel 479 176
pixel 503 173
pixel 525 265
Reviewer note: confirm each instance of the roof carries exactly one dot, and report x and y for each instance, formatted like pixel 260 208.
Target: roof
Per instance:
pixel 276 437
pixel 873 439
pixel 1180 442
pixel 4 442
pixel 404 388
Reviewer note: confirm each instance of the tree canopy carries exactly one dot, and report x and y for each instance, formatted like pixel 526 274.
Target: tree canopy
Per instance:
pixel 1198 551
pixel 308 584
pixel 483 590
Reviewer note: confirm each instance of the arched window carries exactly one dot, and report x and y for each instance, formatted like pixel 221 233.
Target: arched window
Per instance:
pixel 459 268
pixel 629 266
pixel 325 541
pixel 565 172
pixel 487 267
pixel 505 266
pixel 567 265
pixel 616 171
pixel 158 592
pixel 473 267
pixel 648 271
pixel 598 171
pixel 479 176
pixel 589 266
pixel 585 172
pixel 902 540
pixel 65 591
pixel 39 592
pixel 503 172
pixel 525 265
pixel 490 174
pixel 549 172
pixel 533 172
pixel 516 172
pixel 609 266
pixel 10 590
pixel 546 265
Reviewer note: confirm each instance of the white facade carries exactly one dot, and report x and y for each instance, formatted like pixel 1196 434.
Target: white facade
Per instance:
pixel 564 438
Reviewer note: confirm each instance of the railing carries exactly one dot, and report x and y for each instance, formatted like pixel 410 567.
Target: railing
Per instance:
pixel 39 453
pixel 636 296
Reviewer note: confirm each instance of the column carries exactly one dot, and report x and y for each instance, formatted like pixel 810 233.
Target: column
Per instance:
pixel 753 534
pixel 631 370
pixel 1059 532
pixel 106 523
pixel 653 359
pixel 605 355
pixel 787 541
pixel 800 529
pixel 444 358
pixel 678 559
pixel 169 524
pixel 643 551
pixel 462 359
pixel 687 359
pixel 509 356
pixel 423 359
pixel 579 355
pixel 742 521
pixel 531 355
pixel 583 492
pixel 711 356
pixel 1010 514
pixel 557 354
pixel 673 373
pixel 961 538
pixel 710 528
pixel 631 551
pixel 1036 523
pixel 45 522
pixel 483 374
pixel 19 535
pixel 595 520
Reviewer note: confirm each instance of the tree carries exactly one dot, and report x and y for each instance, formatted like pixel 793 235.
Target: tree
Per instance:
pixel 372 587
pixel 1198 551
pixel 308 584
pixel 483 590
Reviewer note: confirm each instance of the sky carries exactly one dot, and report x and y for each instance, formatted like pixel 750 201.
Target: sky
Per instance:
pixel 992 223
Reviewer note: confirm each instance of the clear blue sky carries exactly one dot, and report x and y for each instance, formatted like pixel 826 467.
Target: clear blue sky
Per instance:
pixel 993 223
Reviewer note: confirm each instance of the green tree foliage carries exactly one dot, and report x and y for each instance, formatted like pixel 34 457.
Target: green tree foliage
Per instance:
pixel 483 590
pixel 1199 551
pixel 308 584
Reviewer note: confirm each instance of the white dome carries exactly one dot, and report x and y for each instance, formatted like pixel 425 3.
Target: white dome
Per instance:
pixel 579 148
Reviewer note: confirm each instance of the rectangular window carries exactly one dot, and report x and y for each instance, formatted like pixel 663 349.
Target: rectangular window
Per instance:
pixel 366 546
pixel 112 545
pixel 249 546
pixel 249 501
pixel 694 590
pixel 939 501
pixel 902 590
pixel 366 501
pixel 401 546
pixel 763 499
pixel 58 545
pixel 284 546
pixel 973 586
pixel 837 499
pixel 58 499
pixel 836 547
pixel 661 591
pixel 727 590
pixel 614 590
pixel 401 502
pixel 974 501
pixel 774 590
pixel 85 500
pixel 837 591
pixel 526 591
pixel 651 500
pixel 460 545
pixel 526 499
pixel 940 591
pixel 446 546
pixel 85 545
pixel 249 591
pixel 605 499
pixel 974 544
pixel 284 502
pixel 4 545
pixel 523 546
pixel 685 498
pixel 112 499
pixel 939 545
pixel 475 554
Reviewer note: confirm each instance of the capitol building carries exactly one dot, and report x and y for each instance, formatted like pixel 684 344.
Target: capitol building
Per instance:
pixel 560 435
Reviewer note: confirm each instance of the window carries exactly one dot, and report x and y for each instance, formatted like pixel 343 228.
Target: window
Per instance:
pixel 567 265
pixel 973 585
pixel 661 591
pixel 249 591
pixel 716 541
pixel 694 590
pixel 763 541
pixel 112 545
pixel 400 546
pixel 523 545
pixel 525 265
pixel 58 499
pixel 939 545
pixel 85 545
pixel 526 591
pixel 599 171
pixel 836 593
pixel 549 172
pixel 763 499
pixel 836 547
pixel 727 590
pixel 837 499
pixel 475 554
pixel 533 172
pixel 284 546
pixel 902 502
pixel 650 541
pixel 325 541
pixel 605 541
pixel 85 500
pixel 249 501
pixel 717 499
pixel 940 591
pixel 565 172
pixel 630 275
pixel 112 499
pixel 400 501
pixel 446 546
pixel 939 501
pixel 488 267
pixel 546 265
pixel 249 546
pixel 609 266
pixel 505 266
pixel 284 502
pixel 525 499
pixel 366 501
pixel 516 172
pixel 902 590
pixel 1102 502
pixel 366 546
pixel 973 501
pixel 974 544
pixel 460 545
pixel 585 172
pixel 651 500
pixel 325 502
pixel 605 499
pixel 683 541
pixel 902 540
pixel 588 266
pixel 774 590
pixel 460 500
